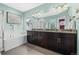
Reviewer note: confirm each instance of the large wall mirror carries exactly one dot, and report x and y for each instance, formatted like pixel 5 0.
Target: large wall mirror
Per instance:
pixel 13 18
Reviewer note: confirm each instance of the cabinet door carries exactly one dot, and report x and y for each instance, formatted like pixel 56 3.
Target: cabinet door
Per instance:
pixel 40 38
pixel 29 36
pixel 44 39
pixel 52 41
pixel 35 37
pixel 60 43
pixel 32 37
pixel 68 44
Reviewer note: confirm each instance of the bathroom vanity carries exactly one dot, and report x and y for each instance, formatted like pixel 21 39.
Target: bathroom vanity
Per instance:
pixel 61 41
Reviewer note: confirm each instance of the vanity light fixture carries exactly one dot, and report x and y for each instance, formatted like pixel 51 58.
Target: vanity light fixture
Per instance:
pixel 77 10
pixel 65 5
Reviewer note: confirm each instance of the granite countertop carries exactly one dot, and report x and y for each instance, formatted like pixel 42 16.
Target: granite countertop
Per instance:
pixel 51 30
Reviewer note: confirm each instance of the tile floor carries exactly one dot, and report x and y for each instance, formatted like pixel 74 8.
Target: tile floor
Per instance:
pixel 29 49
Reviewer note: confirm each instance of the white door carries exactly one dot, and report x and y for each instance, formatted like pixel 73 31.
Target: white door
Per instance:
pixel 1 31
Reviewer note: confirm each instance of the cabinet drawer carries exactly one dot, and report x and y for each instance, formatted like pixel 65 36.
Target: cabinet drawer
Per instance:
pixel 52 35
pixel 68 35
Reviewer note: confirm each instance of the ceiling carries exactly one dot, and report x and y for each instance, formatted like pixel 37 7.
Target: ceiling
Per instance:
pixel 23 6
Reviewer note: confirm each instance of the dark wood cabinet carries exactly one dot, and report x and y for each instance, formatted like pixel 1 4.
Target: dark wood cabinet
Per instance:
pixel 65 43
pixel 68 43
pixel 52 41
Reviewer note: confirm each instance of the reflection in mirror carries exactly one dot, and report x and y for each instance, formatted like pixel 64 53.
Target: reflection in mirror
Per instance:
pixel 72 23
pixel 13 18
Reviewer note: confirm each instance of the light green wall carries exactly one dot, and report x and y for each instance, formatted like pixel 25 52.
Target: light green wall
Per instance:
pixel 44 8
pixel 41 8
pixel 8 27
